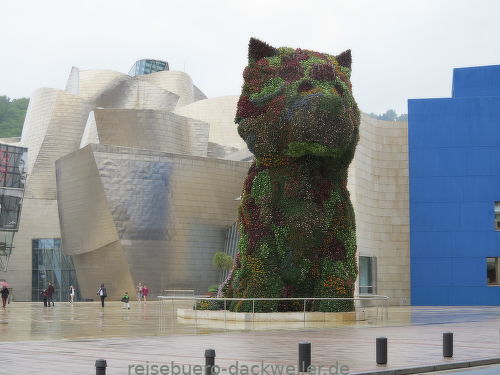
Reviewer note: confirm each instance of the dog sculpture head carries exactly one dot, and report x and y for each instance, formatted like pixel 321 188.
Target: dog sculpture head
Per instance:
pixel 297 102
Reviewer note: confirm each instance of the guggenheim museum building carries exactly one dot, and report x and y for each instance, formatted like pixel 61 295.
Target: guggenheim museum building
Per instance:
pixel 136 177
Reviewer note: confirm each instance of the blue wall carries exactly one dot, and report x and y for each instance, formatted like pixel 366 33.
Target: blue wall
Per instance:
pixel 454 161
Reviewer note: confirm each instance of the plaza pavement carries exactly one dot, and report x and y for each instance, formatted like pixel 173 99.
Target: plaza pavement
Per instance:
pixel 67 339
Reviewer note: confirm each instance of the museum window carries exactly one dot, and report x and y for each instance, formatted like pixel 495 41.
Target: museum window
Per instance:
pixel 497 215
pixel 492 270
pixel 50 264
pixel 367 275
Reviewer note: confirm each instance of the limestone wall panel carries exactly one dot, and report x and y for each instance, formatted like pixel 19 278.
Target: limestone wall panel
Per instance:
pixel 170 212
pixel 379 183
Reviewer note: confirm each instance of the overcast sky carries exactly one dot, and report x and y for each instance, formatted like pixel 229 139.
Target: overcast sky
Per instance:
pixel 401 48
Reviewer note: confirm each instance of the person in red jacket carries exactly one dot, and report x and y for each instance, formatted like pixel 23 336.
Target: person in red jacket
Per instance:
pixel 145 292
pixel 50 293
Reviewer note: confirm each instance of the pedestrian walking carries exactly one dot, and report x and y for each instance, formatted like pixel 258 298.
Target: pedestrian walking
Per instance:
pixel 50 294
pixel 138 291
pixel 145 292
pixel 101 292
pixel 5 295
pixel 71 293
pixel 125 300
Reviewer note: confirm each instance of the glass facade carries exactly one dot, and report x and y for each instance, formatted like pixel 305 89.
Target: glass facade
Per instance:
pixel 50 264
pixel 367 275
pixel 147 66
pixel 12 178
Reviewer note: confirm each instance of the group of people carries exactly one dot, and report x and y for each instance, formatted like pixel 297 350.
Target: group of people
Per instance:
pixel 142 292
pixel 48 295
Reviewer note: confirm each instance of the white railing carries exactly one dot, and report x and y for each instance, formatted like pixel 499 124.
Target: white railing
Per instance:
pixel 377 303
pixel 177 292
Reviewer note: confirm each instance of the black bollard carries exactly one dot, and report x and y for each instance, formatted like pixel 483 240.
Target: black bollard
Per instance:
pixel 448 344
pixel 100 367
pixel 304 356
pixel 209 361
pixel 381 348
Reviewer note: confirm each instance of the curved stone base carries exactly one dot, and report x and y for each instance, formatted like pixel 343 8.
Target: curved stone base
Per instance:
pixel 226 315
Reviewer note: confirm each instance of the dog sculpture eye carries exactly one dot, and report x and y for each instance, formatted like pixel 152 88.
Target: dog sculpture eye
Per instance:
pixel 292 71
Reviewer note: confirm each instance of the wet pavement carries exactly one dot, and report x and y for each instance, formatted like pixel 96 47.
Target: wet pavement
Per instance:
pixel 67 339
pixel 487 370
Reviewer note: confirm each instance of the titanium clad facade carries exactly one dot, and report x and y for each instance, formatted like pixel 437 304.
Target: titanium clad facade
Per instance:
pixel 152 130
pixel 99 106
pixel 166 215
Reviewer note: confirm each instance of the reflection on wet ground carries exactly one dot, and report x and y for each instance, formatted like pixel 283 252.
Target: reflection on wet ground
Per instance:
pixel 23 321
pixel 441 315
pixel 33 338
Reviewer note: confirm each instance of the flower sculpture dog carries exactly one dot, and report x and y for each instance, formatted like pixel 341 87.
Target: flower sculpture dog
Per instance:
pixel 298 117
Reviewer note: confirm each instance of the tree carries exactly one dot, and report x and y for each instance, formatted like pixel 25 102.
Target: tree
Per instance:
pixel 390 115
pixel 222 262
pixel 12 114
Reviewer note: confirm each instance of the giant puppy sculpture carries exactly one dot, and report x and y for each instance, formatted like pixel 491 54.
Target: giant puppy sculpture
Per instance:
pixel 298 117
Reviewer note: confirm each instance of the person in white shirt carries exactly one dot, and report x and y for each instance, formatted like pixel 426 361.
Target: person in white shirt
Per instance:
pixel 101 292
pixel 71 293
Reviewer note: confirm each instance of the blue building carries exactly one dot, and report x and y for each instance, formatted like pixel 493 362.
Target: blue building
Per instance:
pixel 454 168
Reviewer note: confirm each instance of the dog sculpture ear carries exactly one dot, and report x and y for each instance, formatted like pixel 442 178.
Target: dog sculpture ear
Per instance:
pixel 344 59
pixel 258 49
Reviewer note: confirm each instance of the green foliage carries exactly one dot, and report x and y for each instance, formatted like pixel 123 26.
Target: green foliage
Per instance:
pixel 390 115
pixel 270 90
pixel 213 288
pixel 274 61
pixel 261 185
pixel 298 149
pixel 313 60
pixel 12 114
pixel 222 261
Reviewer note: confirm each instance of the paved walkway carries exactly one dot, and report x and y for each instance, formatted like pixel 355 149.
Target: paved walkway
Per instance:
pixel 67 339
pixel 487 370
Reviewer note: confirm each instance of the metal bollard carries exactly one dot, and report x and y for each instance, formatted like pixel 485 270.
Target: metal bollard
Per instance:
pixel 304 356
pixel 381 349
pixel 209 361
pixel 100 367
pixel 448 344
